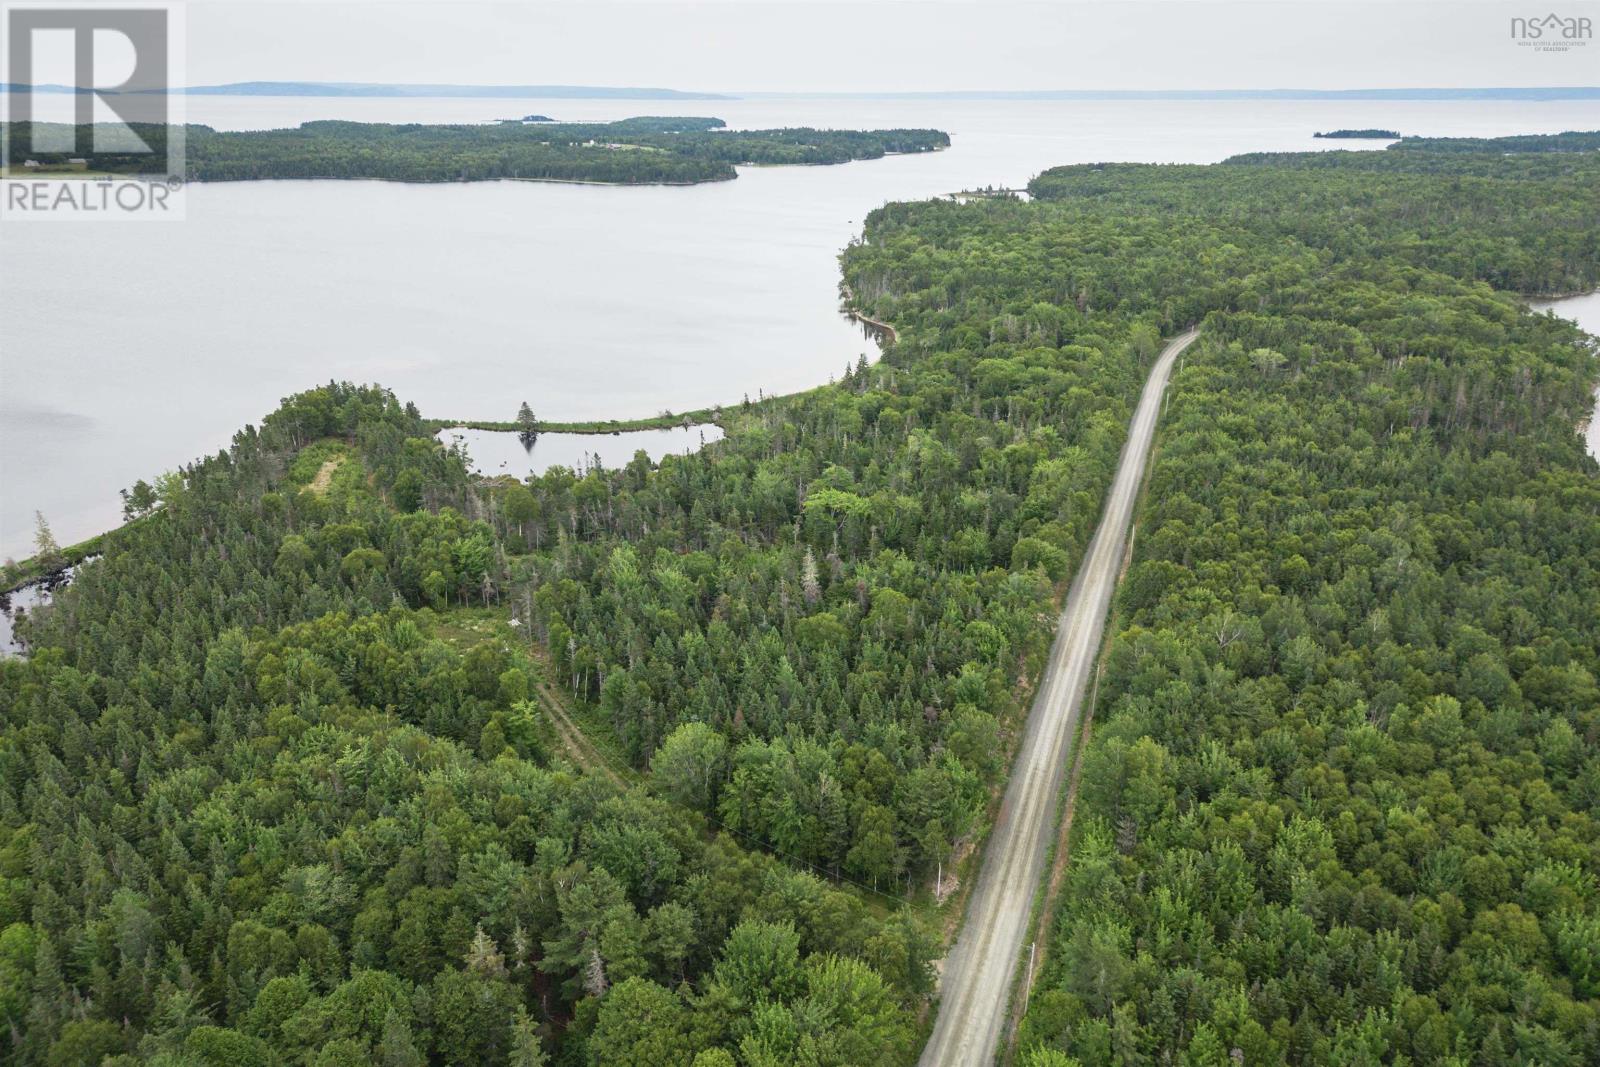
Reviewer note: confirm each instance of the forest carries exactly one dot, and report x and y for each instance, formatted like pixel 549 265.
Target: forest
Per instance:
pixel 1340 804
pixel 1358 135
pixel 1570 141
pixel 646 150
pixel 340 755
pixel 271 791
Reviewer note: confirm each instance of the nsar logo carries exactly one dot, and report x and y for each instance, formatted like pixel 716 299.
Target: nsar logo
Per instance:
pixel 1552 33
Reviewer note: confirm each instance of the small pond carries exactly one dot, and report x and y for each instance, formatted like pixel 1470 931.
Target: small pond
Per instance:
pixel 493 452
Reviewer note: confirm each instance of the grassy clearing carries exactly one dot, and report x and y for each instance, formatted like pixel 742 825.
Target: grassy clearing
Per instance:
pixel 324 476
pixel 315 458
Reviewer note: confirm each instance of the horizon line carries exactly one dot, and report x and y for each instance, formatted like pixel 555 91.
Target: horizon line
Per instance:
pixel 426 90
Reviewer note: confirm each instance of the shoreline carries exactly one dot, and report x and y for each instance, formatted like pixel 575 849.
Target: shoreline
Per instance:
pixel 97 176
pixel 878 324
pixel 1529 298
pixel 850 307
pixel 81 175
pixel 455 181
pixel 27 572
pixel 392 181
pixel 1585 425
pixel 707 416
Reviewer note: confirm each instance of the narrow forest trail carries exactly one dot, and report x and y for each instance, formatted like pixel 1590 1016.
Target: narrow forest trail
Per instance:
pixel 975 990
pixel 578 747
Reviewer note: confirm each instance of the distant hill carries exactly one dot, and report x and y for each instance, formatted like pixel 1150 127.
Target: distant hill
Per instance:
pixel 563 92
pixel 1579 92
pixel 380 89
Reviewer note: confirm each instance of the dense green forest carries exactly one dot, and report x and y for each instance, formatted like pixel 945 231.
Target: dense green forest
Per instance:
pixel 1359 135
pixel 1340 804
pixel 629 151
pixel 1571 141
pixel 289 776
pixel 272 792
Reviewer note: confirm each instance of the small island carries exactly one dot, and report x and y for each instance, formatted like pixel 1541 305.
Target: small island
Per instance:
pixel 649 150
pixel 1359 135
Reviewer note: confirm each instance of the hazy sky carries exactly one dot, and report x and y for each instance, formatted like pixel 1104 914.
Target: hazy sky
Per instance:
pixel 877 45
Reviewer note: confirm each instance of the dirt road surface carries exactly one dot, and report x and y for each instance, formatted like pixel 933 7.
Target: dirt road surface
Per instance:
pixel 976 987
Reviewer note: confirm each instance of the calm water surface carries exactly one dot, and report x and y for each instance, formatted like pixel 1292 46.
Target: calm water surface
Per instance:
pixel 11 606
pixel 15 605
pixel 493 452
pixel 127 350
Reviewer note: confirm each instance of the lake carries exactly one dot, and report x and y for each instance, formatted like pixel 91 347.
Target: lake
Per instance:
pixel 131 349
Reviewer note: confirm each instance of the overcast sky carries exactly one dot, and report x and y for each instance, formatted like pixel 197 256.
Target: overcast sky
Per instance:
pixel 885 45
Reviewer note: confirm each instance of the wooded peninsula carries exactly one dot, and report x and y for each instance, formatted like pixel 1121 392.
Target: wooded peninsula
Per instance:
pixel 343 756
pixel 649 150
